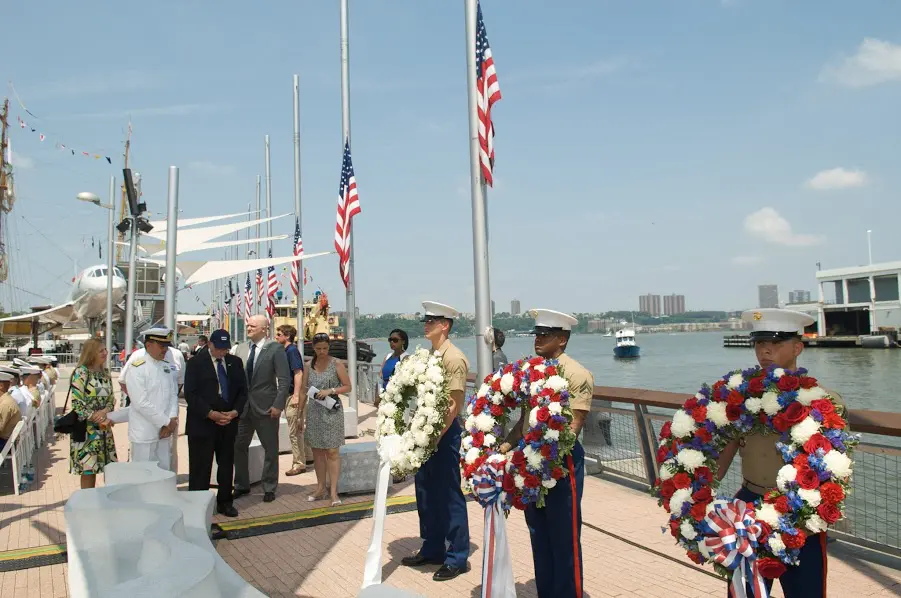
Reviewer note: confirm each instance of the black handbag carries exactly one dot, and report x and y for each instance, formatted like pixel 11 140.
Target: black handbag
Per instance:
pixel 70 423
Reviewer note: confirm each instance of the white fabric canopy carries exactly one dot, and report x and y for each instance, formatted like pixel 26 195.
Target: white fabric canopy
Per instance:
pixel 223 269
pixel 162 225
pixel 215 245
pixel 195 236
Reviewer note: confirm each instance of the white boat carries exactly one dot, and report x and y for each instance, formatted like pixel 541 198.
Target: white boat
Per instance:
pixel 626 347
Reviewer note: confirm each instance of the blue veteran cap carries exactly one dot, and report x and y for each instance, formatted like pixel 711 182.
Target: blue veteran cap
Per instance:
pixel 221 339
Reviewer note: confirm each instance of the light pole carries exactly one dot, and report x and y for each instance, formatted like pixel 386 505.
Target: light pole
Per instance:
pixel 110 207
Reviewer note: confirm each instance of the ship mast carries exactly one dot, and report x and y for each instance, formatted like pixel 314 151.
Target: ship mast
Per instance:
pixel 123 204
pixel 4 143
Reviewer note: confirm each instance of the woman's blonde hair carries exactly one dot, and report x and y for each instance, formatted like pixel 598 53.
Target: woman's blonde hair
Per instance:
pixel 89 352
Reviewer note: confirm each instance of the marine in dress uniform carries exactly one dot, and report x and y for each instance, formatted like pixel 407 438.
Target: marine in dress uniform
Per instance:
pixel 776 334
pixel 556 529
pixel 153 412
pixel 9 410
pixel 15 391
pixel 443 519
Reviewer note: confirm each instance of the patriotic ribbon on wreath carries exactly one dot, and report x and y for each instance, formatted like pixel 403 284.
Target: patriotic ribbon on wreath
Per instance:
pixel 488 482
pixel 732 536
pixel 497 562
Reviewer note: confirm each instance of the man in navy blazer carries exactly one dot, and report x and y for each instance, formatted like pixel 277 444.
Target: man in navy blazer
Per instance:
pixel 216 393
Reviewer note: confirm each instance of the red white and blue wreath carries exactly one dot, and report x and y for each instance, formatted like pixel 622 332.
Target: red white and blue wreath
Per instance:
pixel 752 541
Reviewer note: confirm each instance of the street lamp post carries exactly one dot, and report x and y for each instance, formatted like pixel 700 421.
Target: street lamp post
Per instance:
pixel 110 264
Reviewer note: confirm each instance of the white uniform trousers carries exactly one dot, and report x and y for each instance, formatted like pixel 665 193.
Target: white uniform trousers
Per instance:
pixel 159 451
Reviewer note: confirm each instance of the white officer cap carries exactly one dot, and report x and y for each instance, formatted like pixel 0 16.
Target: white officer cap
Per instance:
pixel 547 320
pixel 434 310
pixel 11 371
pixel 39 360
pixel 20 363
pixel 159 334
pixel 29 369
pixel 4 377
pixel 776 324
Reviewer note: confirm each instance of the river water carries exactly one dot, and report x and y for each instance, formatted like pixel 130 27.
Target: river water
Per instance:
pixel 680 362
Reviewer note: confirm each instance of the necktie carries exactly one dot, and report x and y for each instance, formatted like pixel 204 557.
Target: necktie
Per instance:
pixel 223 380
pixel 253 352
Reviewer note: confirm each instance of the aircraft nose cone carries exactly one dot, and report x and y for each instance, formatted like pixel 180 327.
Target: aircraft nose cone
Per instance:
pixel 119 284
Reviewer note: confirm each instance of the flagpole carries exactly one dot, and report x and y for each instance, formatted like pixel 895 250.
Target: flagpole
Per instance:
pixel 351 332
pixel 269 233
pixel 298 266
pixel 256 290
pixel 479 211
pixel 246 251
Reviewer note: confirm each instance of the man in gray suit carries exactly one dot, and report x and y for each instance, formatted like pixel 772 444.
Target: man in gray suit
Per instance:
pixel 268 382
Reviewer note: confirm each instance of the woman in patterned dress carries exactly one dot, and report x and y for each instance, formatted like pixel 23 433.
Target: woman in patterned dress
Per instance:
pixel 325 427
pixel 92 400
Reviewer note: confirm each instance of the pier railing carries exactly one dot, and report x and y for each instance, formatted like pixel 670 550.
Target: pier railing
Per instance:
pixel 620 441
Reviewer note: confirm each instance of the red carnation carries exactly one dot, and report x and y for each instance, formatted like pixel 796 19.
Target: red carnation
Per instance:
pixel 699 510
pixel 543 414
pixel 667 488
pixel 703 475
pixel 771 568
pixel 733 412
pixel 794 541
pixel 788 383
pixel 496 385
pixel 555 425
pixel 666 504
pixel 535 376
pixel 681 481
pixel 762 417
pixel 703 495
pixel 781 504
pixel 509 402
pixel 801 461
pixel 824 406
pixel 703 435
pixel 546 451
pixel 550 371
pixel 509 483
pixel 808 382
pixel 674 527
pixel 666 430
pixel 532 481
pixel 696 557
pixel 699 414
pixel 536 361
pixel 735 398
pixel 690 404
pixel 518 458
pixel 661 451
pixel 829 512
pixel 756 387
pixel 557 473
pixel 771 496
pixel 832 493
pixel 497 410
pixel 817 441
pixel 765 531
pixel 517 502
pixel 478 439
pixel 717 386
pixel 796 413
pixel 834 421
pixel 808 479
pixel 780 423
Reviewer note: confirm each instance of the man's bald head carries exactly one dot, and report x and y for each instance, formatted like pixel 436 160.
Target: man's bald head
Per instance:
pixel 257 328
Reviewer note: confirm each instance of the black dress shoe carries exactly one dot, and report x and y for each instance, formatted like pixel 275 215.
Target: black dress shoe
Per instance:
pixel 417 559
pixel 239 493
pixel 268 496
pixel 447 573
pixel 227 509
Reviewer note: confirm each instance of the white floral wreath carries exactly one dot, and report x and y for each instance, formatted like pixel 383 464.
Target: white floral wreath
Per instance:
pixel 411 412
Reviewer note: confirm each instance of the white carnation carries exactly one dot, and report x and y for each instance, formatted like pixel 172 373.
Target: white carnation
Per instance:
pixel 802 431
pixel 556 383
pixel 816 524
pixel 771 403
pixel 811 497
pixel 467 442
pixel 775 542
pixel 768 514
pixel 388 409
pixel 786 474
pixel 555 408
pixel 507 381
pixel 489 440
pixel 519 480
pixel 753 405
pixel 688 531
pixel 428 429
pixel 540 368
pixel 806 396
pixel 549 483
pixel 838 463
pixel 778 373
pixel 533 417
pixel 471 455
pixel 666 470
pixel 735 380
pixel 683 425
pixel 716 412
pixel 533 458
pixel 679 498
pixel 483 391
pixel 690 459
pixel 552 434
pixel 484 422
pixel 537 387
pixel 421 438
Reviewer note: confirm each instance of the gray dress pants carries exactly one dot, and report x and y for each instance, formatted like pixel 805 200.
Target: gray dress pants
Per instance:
pixel 266 428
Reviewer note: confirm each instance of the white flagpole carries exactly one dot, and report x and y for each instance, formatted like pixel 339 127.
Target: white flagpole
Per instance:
pixel 351 332
pixel 268 233
pixel 479 208
pixel 298 266
pixel 256 287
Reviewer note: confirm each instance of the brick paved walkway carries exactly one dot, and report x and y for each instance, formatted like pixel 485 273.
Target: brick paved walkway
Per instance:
pixel 625 553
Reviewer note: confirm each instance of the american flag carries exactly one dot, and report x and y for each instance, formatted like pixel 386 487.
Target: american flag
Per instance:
pixel 248 299
pixel 298 251
pixel 348 207
pixel 261 290
pixel 487 93
pixel 272 290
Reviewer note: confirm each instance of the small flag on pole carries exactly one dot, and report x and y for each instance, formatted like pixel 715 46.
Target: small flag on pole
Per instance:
pixel 348 207
pixel 487 93
pixel 298 251
pixel 272 290
pixel 261 290
pixel 248 299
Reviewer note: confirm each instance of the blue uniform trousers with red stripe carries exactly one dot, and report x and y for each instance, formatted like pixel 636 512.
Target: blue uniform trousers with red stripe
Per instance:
pixel 808 579
pixel 556 533
pixel 443 519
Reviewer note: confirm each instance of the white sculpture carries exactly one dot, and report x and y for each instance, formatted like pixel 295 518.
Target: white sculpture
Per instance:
pixel 138 536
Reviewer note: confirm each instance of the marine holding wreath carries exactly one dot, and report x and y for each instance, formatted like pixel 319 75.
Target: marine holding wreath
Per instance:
pixel 555 529
pixel 443 519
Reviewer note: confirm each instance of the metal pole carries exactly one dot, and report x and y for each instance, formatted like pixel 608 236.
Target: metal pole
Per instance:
pixel 110 268
pixel 870 246
pixel 256 290
pixel 246 253
pixel 171 237
pixel 351 332
pixel 297 213
pixel 130 296
pixel 479 212
pixel 268 231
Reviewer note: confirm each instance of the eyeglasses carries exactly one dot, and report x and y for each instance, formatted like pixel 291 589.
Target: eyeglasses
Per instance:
pixel 320 337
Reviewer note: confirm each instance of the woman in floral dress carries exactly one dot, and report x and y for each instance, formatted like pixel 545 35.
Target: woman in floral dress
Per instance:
pixel 92 400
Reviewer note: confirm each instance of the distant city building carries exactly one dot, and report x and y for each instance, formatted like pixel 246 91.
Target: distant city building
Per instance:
pixel 768 295
pixel 649 304
pixel 515 310
pixel 799 296
pixel 673 304
pixel 595 325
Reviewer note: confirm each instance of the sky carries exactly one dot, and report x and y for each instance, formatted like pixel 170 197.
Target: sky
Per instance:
pixel 698 147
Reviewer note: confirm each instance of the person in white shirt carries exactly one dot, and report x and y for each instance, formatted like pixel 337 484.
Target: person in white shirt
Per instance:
pixel 23 401
pixel 153 390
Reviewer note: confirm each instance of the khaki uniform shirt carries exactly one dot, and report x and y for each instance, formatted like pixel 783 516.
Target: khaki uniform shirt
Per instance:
pixel 456 368
pixel 581 387
pixel 761 460
pixel 9 415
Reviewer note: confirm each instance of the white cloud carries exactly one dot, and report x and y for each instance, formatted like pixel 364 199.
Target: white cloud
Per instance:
pixel 875 62
pixel 746 260
pixel 21 162
pixel 211 167
pixel 837 178
pixel 768 225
